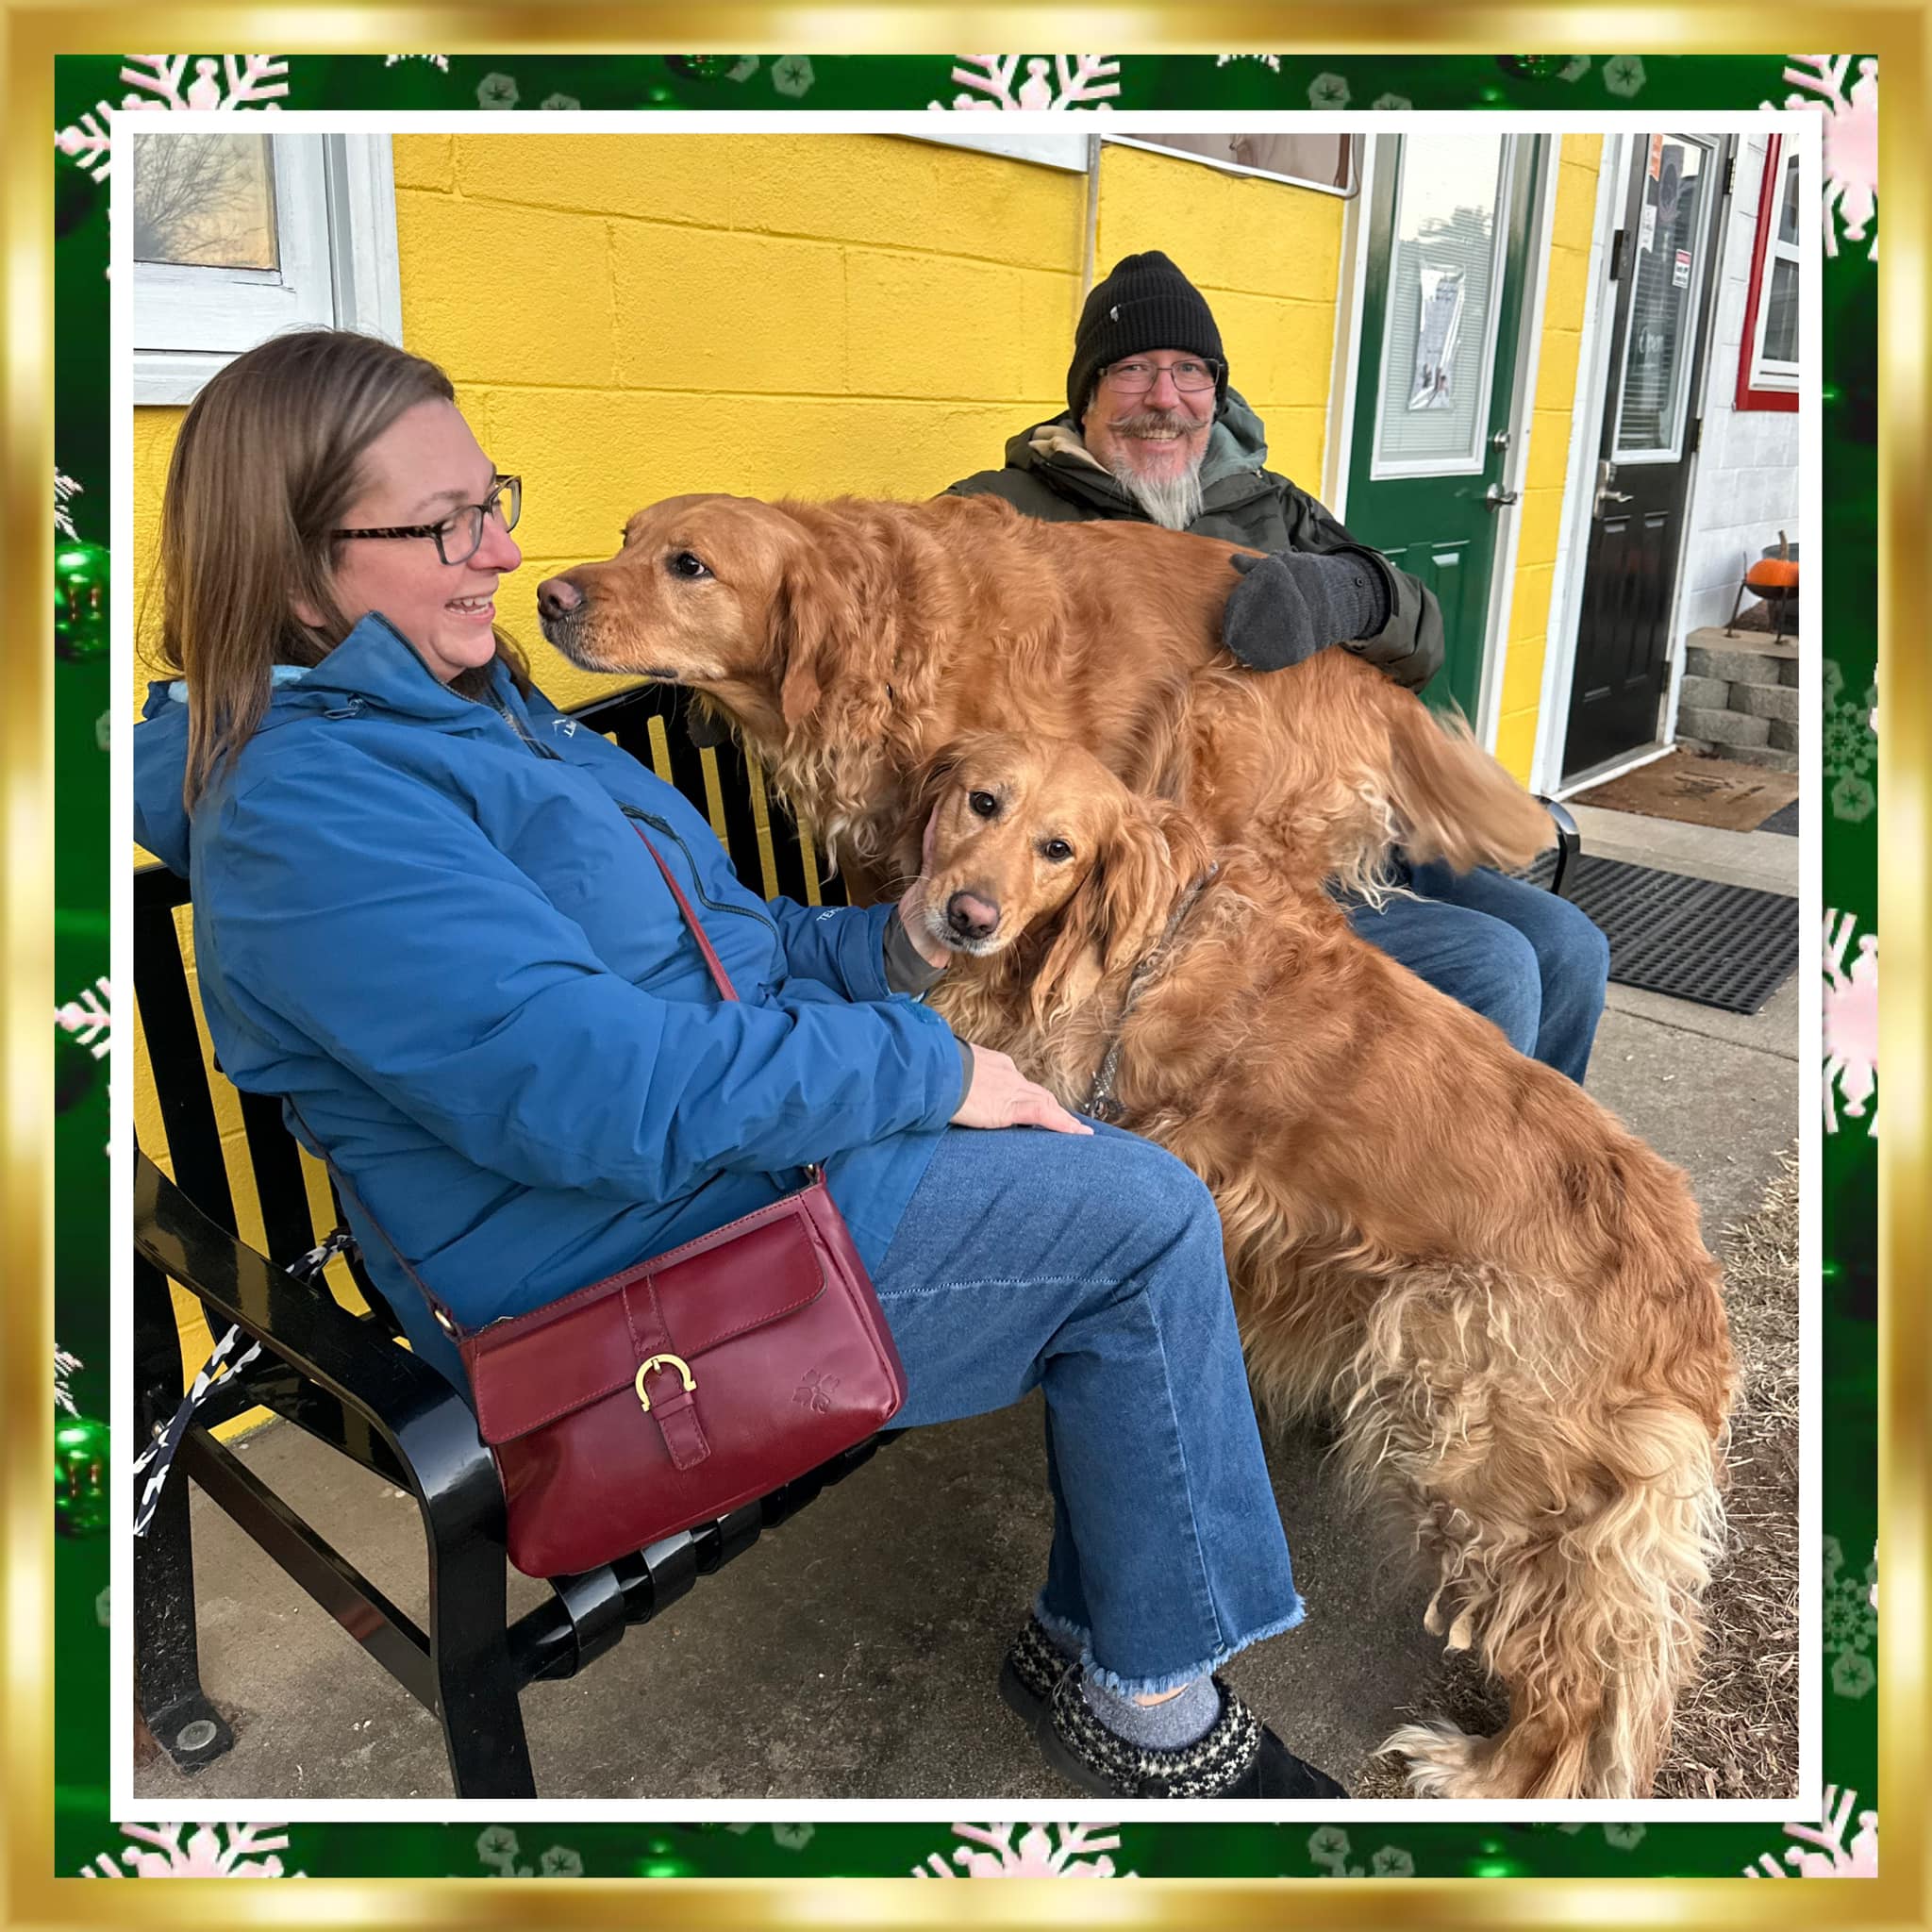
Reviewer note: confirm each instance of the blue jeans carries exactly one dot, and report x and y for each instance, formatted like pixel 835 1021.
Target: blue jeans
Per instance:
pixel 1093 1267
pixel 1534 963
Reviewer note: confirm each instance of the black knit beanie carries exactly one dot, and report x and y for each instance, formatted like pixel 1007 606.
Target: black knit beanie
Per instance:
pixel 1146 303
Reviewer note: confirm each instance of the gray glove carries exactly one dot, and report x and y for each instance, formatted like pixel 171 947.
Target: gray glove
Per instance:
pixel 1287 606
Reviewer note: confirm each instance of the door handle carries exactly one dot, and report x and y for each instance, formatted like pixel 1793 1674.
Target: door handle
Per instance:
pixel 1498 498
pixel 1605 471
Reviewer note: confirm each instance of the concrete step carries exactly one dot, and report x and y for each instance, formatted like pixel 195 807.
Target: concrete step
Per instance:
pixel 1723 727
pixel 1770 757
pixel 1765 701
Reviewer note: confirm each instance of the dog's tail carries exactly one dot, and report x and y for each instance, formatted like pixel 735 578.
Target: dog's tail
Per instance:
pixel 1451 799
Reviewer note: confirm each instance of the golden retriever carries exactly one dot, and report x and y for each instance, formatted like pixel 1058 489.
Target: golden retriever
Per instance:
pixel 1497 1294
pixel 848 640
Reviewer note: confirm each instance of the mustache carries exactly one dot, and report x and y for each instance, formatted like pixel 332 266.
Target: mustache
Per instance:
pixel 1146 422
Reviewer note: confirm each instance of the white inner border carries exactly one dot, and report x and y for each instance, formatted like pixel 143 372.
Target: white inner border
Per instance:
pixel 123 1804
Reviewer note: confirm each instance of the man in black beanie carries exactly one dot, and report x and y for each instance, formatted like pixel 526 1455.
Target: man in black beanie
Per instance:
pixel 1153 432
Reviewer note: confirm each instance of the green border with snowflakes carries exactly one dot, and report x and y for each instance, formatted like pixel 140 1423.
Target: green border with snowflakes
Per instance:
pixel 1654 85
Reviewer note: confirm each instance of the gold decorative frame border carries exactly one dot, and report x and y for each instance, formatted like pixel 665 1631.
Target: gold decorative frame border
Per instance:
pixel 1899 32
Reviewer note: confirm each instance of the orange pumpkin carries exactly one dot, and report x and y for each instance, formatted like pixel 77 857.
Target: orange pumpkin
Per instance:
pixel 1773 573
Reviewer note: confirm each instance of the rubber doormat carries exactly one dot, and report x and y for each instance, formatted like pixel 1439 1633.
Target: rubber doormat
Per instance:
pixel 1728 946
pixel 1785 820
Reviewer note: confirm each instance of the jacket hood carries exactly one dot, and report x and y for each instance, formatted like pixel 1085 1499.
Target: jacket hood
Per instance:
pixel 1237 443
pixel 375 666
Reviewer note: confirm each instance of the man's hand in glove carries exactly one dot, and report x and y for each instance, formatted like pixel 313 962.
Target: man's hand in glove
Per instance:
pixel 1289 607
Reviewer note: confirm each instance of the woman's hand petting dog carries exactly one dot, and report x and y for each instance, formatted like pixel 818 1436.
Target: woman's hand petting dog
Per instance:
pixel 1000 1095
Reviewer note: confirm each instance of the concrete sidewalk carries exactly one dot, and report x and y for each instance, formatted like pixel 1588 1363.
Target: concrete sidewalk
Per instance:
pixel 853 1652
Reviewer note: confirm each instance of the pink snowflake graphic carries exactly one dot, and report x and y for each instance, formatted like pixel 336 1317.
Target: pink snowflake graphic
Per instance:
pixel 1851 1021
pixel 1851 139
pixel 204 1855
pixel 1036 1855
pixel 1833 1857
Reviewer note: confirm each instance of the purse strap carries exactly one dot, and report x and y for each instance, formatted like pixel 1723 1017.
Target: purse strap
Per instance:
pixel 444 1320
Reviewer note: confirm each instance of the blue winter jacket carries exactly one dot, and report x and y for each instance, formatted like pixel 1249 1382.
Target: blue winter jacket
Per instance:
pixel 431 923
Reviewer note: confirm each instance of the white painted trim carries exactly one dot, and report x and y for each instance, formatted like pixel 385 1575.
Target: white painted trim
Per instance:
pixel 1586 420
pixel 1589 781
pixel 1394 469
pixel 362 236
pixel 1351 282
pixel 1489 715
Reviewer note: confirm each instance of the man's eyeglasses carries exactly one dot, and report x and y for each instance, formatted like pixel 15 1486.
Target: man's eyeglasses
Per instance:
pixel 459 536
pixel 1136 377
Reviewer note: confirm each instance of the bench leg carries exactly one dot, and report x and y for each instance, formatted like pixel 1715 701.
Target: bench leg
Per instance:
pixel 477 1678
pixel 167 1656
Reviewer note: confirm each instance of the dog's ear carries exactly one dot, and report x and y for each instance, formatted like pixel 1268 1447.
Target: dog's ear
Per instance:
pixel 1120 909
pixel 818 628
pixel 929 786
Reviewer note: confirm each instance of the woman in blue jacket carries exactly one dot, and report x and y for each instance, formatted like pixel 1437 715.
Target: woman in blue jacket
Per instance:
pixel 423 915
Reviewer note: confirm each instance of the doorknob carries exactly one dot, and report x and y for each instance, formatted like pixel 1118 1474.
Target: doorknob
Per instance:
pixel 1605 471
pixel 1499 498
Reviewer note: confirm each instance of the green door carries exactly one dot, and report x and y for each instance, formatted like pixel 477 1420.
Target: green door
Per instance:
pixel 1448 262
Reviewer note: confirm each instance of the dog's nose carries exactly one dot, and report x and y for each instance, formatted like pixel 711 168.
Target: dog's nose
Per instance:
pixel 559 597
pixel 971 918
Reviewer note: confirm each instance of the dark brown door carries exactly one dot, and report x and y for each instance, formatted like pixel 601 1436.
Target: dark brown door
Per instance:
pixel 1664 268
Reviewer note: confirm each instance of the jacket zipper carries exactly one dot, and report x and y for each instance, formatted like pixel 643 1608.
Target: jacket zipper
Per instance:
pixel 635 811
pixel 671 832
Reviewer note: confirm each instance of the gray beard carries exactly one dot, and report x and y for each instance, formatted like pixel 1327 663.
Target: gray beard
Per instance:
pixel 1172 502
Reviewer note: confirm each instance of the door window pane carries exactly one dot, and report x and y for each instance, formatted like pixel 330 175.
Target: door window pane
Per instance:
pixel 1787 207
pixel 1443 282
pixel 205 200
pixel 1781 317
pixel 1665 265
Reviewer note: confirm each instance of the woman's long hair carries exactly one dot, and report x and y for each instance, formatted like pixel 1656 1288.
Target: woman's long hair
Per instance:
pixel 267 462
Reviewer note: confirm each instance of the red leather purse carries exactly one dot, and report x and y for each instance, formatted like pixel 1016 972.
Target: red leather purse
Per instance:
pixel 682 1386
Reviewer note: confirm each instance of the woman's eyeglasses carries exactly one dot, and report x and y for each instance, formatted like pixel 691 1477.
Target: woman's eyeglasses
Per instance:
pixel 459 536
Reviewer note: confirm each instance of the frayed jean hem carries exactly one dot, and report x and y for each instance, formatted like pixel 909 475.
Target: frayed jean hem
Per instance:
pixel 1174 1680
pixel 1075 1637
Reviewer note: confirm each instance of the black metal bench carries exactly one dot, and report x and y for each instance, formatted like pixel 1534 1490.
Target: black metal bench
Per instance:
pixel 340 1377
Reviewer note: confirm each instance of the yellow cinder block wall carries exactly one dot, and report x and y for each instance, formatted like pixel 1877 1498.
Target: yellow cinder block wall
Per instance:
pixel 1566 293
pixel 629 317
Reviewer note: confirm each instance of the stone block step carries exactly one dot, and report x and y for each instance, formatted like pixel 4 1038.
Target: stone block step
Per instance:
pixel 1736 664
pixel 1765 701
pixel 1724 727
pixel 1765 756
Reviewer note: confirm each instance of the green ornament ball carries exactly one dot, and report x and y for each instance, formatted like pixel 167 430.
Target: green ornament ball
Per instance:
pixel 706 67
pixel 80 602
pixel 1533 66
pixel 80 1474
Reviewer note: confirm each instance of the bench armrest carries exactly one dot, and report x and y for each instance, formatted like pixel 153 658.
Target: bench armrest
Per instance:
pixel 424 1421
pixel 1568 840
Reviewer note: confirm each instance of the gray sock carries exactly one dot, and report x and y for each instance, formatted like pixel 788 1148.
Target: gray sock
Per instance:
pixel 1165 1726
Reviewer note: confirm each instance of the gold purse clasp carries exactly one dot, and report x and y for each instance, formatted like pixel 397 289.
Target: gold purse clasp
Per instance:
pixel 662 1361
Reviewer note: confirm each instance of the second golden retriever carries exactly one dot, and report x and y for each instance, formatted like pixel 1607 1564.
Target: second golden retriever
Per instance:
pixel 1497 1294
pixel 848 640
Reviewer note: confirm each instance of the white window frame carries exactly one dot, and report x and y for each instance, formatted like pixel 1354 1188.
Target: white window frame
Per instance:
pixel 1055 146
pixel 336 237
pixel 1153 145
pixel 1779 378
